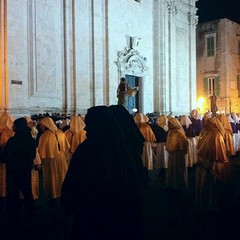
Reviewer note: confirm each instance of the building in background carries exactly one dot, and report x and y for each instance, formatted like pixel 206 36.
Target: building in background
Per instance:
pixel 218 65
pixel 66 56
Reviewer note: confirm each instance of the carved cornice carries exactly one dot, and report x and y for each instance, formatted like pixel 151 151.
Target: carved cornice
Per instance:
pixel 192 19
pixel 130 62
pixel 172 7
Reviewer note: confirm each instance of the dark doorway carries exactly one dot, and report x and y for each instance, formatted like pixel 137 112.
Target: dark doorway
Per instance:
pixel 132 102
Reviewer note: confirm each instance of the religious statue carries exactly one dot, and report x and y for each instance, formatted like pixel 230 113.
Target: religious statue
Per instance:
pixel 214 107
pixel 125 91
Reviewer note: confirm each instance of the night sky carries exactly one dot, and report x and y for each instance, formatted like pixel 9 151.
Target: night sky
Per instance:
pixel 209 10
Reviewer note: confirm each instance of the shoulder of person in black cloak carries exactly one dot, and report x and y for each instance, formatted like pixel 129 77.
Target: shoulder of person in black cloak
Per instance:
pixel 83 151
pixel 22 132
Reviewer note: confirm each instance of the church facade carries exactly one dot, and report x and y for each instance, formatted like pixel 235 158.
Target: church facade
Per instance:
pixel 66 56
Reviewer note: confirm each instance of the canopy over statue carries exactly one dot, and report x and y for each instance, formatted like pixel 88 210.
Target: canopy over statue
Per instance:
pixel 125 91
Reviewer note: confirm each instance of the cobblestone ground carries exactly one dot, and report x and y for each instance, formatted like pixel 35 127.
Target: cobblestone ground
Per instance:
pixel 166 216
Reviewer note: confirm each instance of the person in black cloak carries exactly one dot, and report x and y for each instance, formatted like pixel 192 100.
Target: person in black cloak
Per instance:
pixel 19 154
pixel 99 193
pixel 134 140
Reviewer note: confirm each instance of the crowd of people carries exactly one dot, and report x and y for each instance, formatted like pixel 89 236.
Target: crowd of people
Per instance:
pixel 97 165
pixel 206 143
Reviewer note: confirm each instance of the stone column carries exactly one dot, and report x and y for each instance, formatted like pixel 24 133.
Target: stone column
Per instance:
pixel 193 20
pixel 172 11
pixel 3 56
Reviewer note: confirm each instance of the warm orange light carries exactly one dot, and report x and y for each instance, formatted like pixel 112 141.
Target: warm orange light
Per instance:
pixel 200 104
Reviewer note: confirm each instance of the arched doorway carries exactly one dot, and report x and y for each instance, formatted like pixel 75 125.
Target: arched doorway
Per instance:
pixel 132 102
pixel 132 66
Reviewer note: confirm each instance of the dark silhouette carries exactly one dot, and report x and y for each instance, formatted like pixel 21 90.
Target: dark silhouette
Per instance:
pixel 19 154
pixel 101 193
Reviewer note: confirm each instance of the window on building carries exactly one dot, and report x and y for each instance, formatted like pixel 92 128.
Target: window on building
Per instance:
pixel 210 46
pixel 211 86
pixel 238 85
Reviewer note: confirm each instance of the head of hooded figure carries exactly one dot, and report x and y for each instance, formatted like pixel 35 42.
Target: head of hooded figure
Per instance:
pixel 98 122
pixel 102 127
pixel 139 119
pixel 47 123
pixel 162 121
pixel 20 124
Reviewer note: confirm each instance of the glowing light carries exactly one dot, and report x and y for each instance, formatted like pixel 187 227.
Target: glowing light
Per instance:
pixel 200 104
pixel 134 110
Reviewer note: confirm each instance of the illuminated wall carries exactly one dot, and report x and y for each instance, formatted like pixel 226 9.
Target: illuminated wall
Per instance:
pixel 61 55
pixel 223 66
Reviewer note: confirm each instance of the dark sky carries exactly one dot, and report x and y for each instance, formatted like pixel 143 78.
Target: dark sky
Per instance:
pixel 209 10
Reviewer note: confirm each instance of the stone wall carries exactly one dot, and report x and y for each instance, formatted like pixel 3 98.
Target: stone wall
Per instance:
pixel 62 56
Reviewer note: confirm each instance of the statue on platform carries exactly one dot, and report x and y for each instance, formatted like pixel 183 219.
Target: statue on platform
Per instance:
pixel 125 91
pixel 214 107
